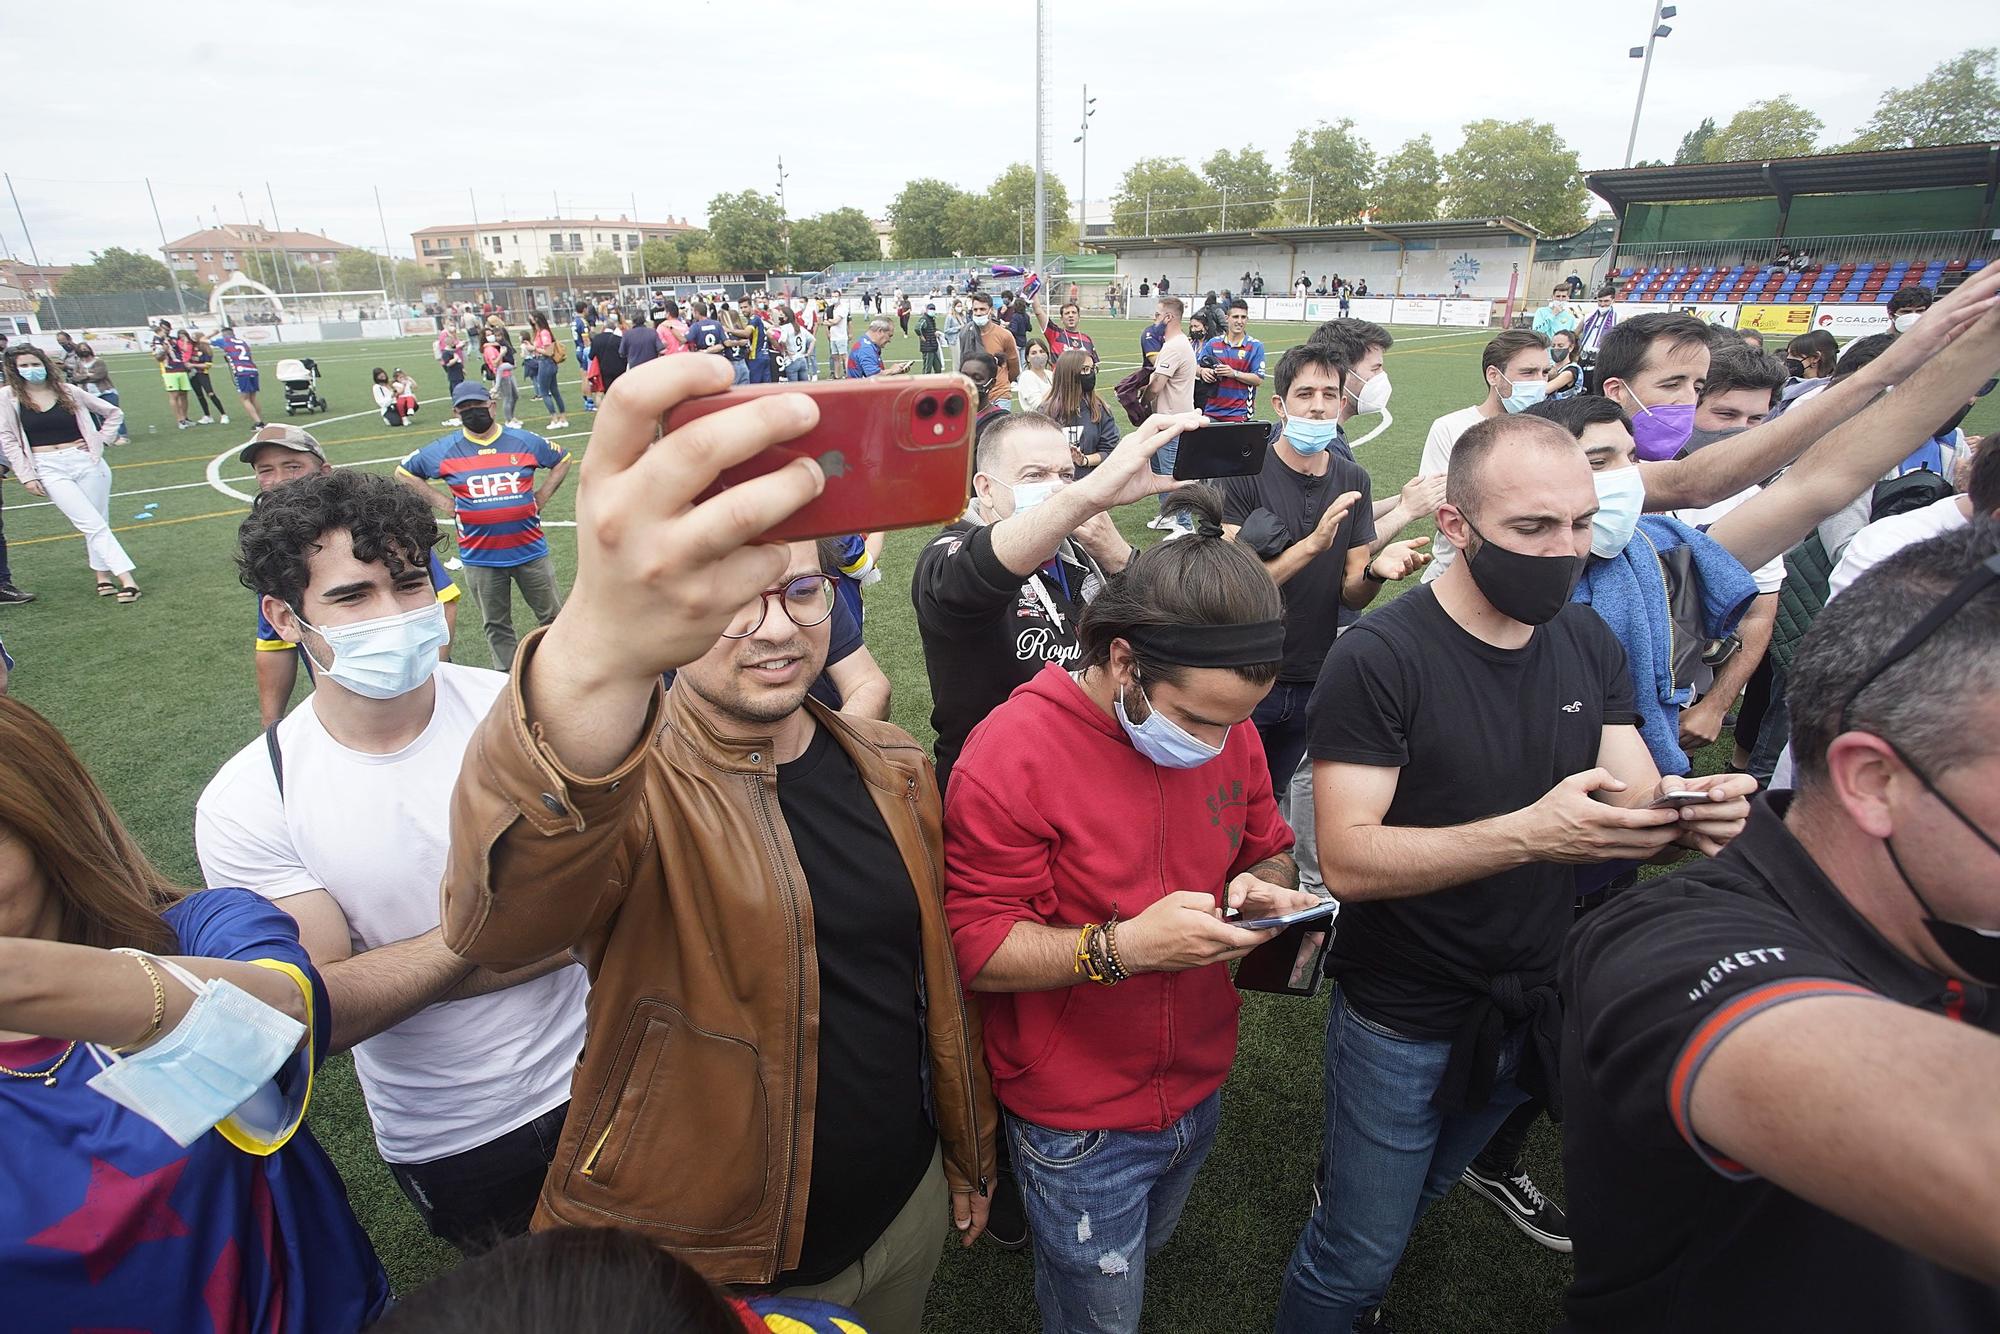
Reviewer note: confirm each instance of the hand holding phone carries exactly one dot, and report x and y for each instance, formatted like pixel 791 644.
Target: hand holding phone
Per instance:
pixel 1223 449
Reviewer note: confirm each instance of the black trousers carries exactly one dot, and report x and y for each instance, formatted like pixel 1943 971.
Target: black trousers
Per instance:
pixel 481 1197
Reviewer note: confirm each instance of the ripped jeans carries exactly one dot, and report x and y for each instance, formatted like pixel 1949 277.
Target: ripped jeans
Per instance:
pixel 1099 1202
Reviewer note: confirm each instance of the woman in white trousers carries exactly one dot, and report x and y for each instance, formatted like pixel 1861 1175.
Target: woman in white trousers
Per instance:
pixel 52 435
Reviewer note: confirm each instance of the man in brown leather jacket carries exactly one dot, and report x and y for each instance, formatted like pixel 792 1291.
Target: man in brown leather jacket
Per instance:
pixel 782 1079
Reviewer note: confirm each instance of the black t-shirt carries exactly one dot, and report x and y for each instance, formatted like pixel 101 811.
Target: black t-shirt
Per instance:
pixel 872 1138
pixel 987 630
pixel 54 426
pixel 1478 731
pixel 607 353
pixel 1296 500
pixel 1671 1235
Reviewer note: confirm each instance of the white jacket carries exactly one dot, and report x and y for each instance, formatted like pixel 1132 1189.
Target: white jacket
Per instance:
pixel 14 440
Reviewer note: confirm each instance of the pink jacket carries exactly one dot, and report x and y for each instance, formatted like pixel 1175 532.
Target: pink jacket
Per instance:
pixel 14 440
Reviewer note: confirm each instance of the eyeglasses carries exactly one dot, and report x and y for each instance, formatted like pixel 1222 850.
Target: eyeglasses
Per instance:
pixel 808 602
pixel 1968 588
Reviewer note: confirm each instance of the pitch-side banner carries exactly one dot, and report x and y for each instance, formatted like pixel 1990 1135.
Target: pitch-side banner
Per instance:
pixel 1376 308
pixel 1788 321
pixel 1415 310
pixel 1724 315
pixel 1852 320
pixel 1465 314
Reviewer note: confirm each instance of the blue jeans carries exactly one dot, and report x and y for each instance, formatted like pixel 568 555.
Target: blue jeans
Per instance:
pixel 1386 1155
pixel 741 371
pixel 1163 465
pixel 1281 722
pixel 799 369
pixel 547 386
pixel 1098 1203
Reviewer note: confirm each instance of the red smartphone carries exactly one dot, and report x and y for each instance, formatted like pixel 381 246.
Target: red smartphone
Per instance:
pixel 896 451
pixel 1222 449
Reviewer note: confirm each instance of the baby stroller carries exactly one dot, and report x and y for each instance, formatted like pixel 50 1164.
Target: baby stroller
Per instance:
pixel 300 377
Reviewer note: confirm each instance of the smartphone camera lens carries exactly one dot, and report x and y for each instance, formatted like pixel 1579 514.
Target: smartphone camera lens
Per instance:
pixel 927 407
pixel 955 406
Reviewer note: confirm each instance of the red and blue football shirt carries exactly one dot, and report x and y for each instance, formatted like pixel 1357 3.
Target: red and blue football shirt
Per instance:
pixel 493 492
pixel 1231 400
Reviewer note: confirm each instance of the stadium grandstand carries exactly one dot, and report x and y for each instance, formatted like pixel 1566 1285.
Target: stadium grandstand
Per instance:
pixel 1837 229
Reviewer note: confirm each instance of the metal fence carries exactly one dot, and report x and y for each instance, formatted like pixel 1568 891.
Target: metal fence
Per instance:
pixel 113 309
pixel 1874 247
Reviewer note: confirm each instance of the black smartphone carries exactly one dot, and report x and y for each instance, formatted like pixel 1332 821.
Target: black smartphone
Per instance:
pixel 1222 449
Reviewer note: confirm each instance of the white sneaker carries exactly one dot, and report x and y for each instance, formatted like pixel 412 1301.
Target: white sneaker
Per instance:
pixel 514 423
pixel 1159 523
pixel 182 426
pixel 449 421
pixel 204 421
pixel 225 419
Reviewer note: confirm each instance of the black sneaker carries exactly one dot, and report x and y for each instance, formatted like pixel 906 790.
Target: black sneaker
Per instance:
pixel 1524 1204
pixel 1006 1220
pixel 10 595
pixel 1373 1322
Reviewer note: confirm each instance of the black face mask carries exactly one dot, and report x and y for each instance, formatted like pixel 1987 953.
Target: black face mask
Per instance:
pixel 1088 380
pixel 476 421
pixel 1701 438
pixel 1974 953
pixel 1795 368
pixel 1530 589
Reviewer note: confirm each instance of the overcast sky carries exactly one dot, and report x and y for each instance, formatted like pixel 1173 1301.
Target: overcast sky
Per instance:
pixel 673 101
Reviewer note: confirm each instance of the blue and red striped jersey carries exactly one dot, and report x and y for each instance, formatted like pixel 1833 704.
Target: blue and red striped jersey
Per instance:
pixel 1231 400
pixel 493 491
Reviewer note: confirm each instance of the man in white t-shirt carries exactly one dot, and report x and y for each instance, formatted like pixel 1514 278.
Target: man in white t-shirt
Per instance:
pixel 340 814
pixel 1515 365
pixel 836 352
pixel 1885 537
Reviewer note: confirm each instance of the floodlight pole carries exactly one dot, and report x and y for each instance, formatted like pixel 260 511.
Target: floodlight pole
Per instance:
pixel 28 236
pixel 784 212
pixel 384 221
pixel 173 279
pixel 1041 128
pixel 1654 32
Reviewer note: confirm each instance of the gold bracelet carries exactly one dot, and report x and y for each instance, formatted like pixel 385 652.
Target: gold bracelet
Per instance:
pixel 159 1000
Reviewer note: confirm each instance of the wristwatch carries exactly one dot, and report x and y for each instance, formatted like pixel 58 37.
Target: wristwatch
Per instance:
pixel 1368 573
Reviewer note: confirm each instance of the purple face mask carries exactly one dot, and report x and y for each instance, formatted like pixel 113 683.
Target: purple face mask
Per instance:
pixel 1661 432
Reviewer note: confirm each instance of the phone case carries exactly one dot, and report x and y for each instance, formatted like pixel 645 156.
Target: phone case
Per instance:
pixel 1222 449
pixel 896 451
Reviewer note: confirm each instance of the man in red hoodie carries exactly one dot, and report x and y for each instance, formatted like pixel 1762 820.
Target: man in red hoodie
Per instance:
pixel 1096 928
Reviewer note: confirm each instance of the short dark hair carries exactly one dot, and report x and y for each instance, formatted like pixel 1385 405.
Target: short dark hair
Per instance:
pixel 1321 356
pixel 1627 346
pixel 605 1279
pixel 384 519
pixel 1503 347
pixel 1238 303
pixel 1860 352
pixel 1912 297
pixel 1349 340
pixel 1984 485
pixel 1464 485
pixel 1733 364
pixel 1819 345
pixel 985 359
pixel 1578 412
pixel 1920 703
pixel 1192 580
pixel 982 299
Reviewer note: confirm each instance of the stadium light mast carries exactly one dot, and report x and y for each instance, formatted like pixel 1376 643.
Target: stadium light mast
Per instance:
pixel 1083 171
pixel 1041 130
pixel 1659 29
pixel 784 213
pixel 36 258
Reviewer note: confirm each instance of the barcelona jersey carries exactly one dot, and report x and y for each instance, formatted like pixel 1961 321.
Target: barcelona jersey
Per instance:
pixel 493 492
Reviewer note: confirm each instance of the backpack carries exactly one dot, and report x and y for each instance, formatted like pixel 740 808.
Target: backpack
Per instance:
pixel 1132 396
pixel 1912 491
pixel 1692 648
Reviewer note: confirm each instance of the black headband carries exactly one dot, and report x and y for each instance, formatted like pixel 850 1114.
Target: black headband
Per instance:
pixel 1251 644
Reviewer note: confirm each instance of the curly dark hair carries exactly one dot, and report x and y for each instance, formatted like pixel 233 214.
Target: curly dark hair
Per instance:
pixel 386 520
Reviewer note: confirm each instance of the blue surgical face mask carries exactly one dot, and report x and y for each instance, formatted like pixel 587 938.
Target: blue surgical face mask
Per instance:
pixel 981 320
pixel 1526 394
pixel 1621 498
pixel 215 1060
pixel 385 657
pixel 1307 436
pixel 1162 740
pixel 1027 495
pixel 33 373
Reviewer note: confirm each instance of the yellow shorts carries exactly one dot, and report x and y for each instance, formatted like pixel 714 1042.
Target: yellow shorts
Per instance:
pixel 176 382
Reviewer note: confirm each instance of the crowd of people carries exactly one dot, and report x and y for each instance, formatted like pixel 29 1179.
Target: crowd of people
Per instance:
pixel 681 982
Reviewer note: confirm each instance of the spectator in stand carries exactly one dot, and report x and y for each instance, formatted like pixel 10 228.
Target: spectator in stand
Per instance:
pixel 1073 404
pixel 1556 317
pixel 986 334
pixel 52 438
pixel 490 469
pixel 607 355
pixel 170 352
pixel 166 1198
pixel 201 360
pixel 243 367
pixel 1515 364
pixel 1034 386
pixel 1233 366
pixel 544 357
pixel 1111 1078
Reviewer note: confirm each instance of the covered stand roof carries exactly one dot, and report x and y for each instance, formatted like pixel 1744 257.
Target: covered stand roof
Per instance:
pixel 1826 173
pixel 1448 229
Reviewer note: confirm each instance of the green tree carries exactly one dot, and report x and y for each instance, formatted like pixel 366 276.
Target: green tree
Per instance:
pixel 1161 196
pixel 1956 103
pixel 114 270
pixel 357 271
pixel 1247 182
pixel 601 260
pixel 812 246
pixel 694 252
pixel 1004 216
pixel 411 278
pixel 1694 144
pixel 659 255
pixel 1517 168
pixel 922 218
pixel 853 234
pixel 748 230
pixel 1409 183
pixel 1331 169
pixel 1778 127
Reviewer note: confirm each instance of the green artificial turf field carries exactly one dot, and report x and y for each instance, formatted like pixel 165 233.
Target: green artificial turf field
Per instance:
pixel 157 694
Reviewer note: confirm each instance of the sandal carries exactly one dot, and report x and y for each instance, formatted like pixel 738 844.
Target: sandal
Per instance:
pixel 105 588
pixel 128 595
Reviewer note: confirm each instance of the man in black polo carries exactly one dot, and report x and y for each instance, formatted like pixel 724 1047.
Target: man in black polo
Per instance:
pixel 999 592
pixel 1755 1140
pixel 1310 516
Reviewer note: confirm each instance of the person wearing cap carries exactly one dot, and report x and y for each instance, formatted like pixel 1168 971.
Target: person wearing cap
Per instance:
pixel 490 470
pixel 277 455
pixel 1094 932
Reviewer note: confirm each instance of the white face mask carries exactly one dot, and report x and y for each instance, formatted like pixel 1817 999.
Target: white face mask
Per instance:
pixel 386 657
pixel 1621 497
pixel 1374 395
pixel 1026 495
pixel 1907 320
